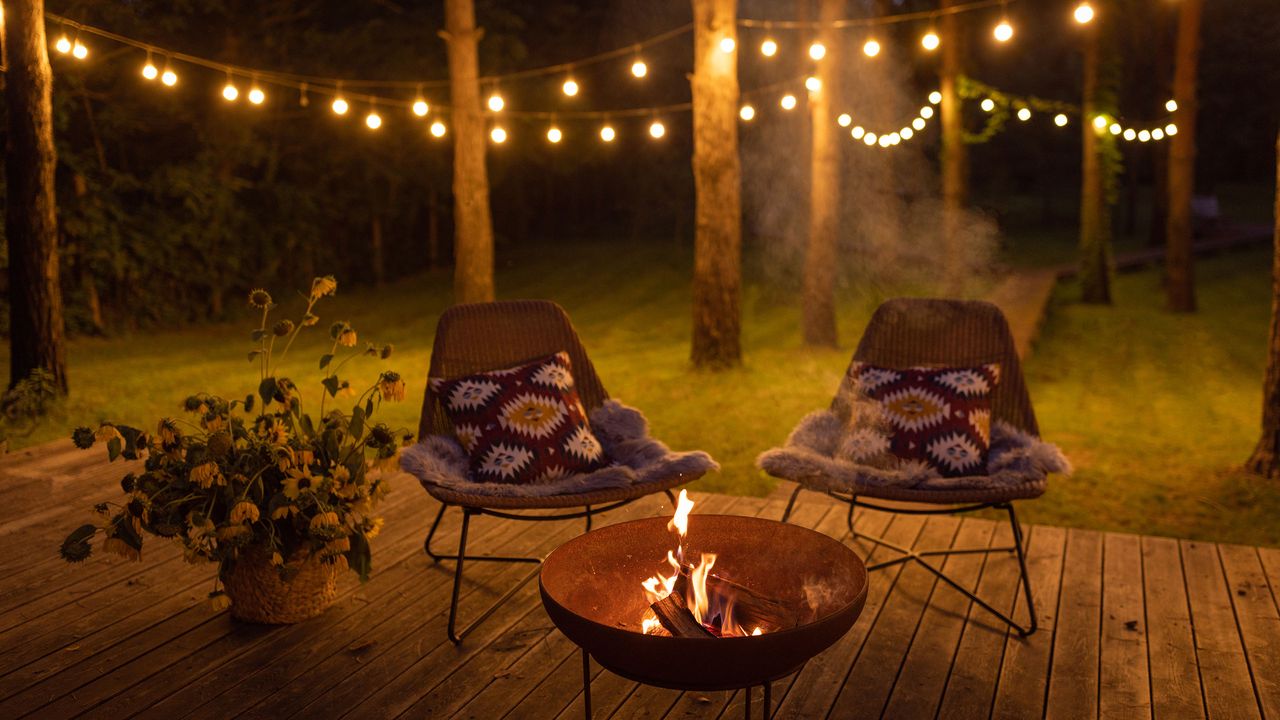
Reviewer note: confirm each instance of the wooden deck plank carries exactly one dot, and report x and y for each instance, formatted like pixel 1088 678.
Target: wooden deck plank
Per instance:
pixel 1124 685
pixel 1073 686
pixel 1171 647
pixel 1224 671
pixel 1258 620
pixel 918 689
pixel 1024 672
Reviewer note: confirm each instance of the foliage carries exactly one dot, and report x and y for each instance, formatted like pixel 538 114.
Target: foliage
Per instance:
pixel 26 403
pixel 283 483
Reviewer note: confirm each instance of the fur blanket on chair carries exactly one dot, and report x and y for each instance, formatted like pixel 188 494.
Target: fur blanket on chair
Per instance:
pixel 623 432
pixel 812 457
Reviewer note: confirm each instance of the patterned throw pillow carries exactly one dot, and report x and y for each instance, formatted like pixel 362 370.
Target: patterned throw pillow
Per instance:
pixel 523 424
pixel 938 416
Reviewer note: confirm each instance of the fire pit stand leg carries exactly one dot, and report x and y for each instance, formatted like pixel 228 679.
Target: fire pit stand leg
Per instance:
pixel 768 701
pixel 586 684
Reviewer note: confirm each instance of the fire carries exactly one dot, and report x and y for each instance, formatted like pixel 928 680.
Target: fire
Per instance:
pixel 650 624
pixel 680 521
pixel 698 584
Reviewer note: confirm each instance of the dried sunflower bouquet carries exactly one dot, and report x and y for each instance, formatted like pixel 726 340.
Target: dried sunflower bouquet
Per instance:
pixel 281 498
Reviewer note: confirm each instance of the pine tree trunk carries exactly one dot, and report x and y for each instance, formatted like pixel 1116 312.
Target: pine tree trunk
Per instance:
pixel 1266 456
pixel 473 228
pixel 37 336
pixel 1095 216
pixel 1179 278
pixel 824 190
pixel 955 155
pixel 717 273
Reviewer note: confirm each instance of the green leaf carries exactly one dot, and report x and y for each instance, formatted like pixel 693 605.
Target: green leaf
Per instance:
pixel 331 384
pixel 325 360
pixel 131 436
pixel 368 407
pixel 259 334
pixel 356 426
pixel 84 532
pixel 114 448
pixel 359 556
pixel 253 354
pixel 267 390
pixel 307 426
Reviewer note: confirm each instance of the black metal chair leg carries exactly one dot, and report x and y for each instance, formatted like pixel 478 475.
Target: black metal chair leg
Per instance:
pixel 588 518
pixel 1022 567
pixel 586 684
pixel 426 544
pixel 457 636
pixel 791 504
pixel 457 573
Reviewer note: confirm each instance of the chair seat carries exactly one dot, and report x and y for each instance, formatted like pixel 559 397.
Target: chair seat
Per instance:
pixel 594 497
pixel 1022 491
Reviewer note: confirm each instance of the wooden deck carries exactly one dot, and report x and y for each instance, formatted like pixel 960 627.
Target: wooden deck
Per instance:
pixel 1131 627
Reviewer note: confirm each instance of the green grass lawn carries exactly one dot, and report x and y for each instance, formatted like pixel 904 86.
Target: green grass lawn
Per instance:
pixel 1155 410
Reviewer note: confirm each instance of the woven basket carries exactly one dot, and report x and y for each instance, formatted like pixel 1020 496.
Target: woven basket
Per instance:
pixel 259 595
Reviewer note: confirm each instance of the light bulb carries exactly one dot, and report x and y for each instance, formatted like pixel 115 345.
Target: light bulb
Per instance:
pixel 420 107
pixel 1157 134
pixel 63 45
pixel 857 132
pixel 935 97
pixel 1171 105
pixel 437 129
pixel 930 41
pixel 149 71
pixel 1170 129
pixel 1130 134
pixel 256 96
pixel 817 51
pixel 230 92
pixel 570 87
pixel 926 112
pixel 639 69
pixel 79 51
pixel 1144 135
pixel 906 133
pixel 498 135
pixel 607 134
pixel 844 120
pixel 554 135
pixel 373 120
pixel 340 106
pixel 1083 13
pixel 169 77
pixel 894 138
pixel 1003 32
pixel 918 123
pixel 1099 122
pixel 1116 129
pixel 1060 120
pixel 496 102
pixel 769 48
pixel 657 130
pixel 1024 114
pixel 884 141
pixel 788 102
pixel 812 84
pixel 869 138
pixel 988 105
pixel 871 48
pixel 727 44
pixel 747 113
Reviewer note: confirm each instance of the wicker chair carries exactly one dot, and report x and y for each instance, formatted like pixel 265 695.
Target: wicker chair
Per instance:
pixel 910 332
pixel 490 336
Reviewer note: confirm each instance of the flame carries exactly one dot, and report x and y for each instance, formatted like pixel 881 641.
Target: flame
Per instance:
pixel 757 631
pixel 680 521
pixel 650 624
pixel 698 586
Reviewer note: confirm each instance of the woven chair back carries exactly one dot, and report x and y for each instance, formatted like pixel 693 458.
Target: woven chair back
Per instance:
pixel 906 332
pixel 490 336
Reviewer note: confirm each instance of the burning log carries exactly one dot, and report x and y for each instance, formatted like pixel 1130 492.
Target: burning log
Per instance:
pixel 753 610
pixel 676 617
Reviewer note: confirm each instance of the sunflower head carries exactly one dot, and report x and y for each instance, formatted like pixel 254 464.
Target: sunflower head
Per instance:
pixel 83 437
pixel 322 286
pixel 76 547
pixel 282 328
pixel 260 298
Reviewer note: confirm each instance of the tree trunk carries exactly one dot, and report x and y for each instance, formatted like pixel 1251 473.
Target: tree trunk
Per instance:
pixel 954 156
pixel 1266 456
pixel 1179 279
pixel 824 189
pixel 1095 220
pixel 717 268
pixel 37 336
pixel 473 227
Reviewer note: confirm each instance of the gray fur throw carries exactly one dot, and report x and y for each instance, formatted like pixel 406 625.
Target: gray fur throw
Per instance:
pixel 623 432
pixel 814 457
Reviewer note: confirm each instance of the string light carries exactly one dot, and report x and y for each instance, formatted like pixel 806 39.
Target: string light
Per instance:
pixel 1130 134
pixel 812 84
pixel 554 135
pixel 1004 31
pixel 1157 134
pixel 168 77
pixel 935 97
pixel 657 129
pixel 930 41
pixel 1100 122
pixel 496 103
pixel 78 50
pixel 869 138
pixel 639 69
pixel 420 107
pixel 926 112
pixel 871 48
pixel 747 113
pixel 63 45
pixel 987 105
pixel 570 87
pixel 437 129
pixel 1170 129
pixel 1024 114
pixel 498 135
pixel 769 47
pixel 817 51
pixel 256 95
pixel 229 91
pixel 373 120
pixel 918 123
pixel 894 138
pixel 340 106
pixel 1060 120
pixel 149 70
pixel 906 133
pixel 1171 105
pixel 1115 129
pixel 727 45
pixel 844 120
pixel 884 141
pixel 857 132
pixel 1083 13
pixel 788 102
pixel 607 133
pixel 1144 135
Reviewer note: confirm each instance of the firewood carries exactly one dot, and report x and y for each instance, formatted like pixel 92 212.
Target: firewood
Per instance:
pixel 752 609
pixel 675 616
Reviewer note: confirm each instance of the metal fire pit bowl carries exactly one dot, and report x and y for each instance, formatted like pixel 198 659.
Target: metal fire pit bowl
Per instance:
pixel 591 589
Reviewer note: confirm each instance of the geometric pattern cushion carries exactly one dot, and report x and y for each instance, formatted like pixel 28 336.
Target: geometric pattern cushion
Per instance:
pixel 522 425
pixel 938 416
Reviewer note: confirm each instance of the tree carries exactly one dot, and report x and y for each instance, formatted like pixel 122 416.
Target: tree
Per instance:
pixel 818 295
pixel 1095 212
pixel 717 180
pixel 955 156
pixel 1179 278
pixel 1266 456
pixel 473 226
pixel 37 335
